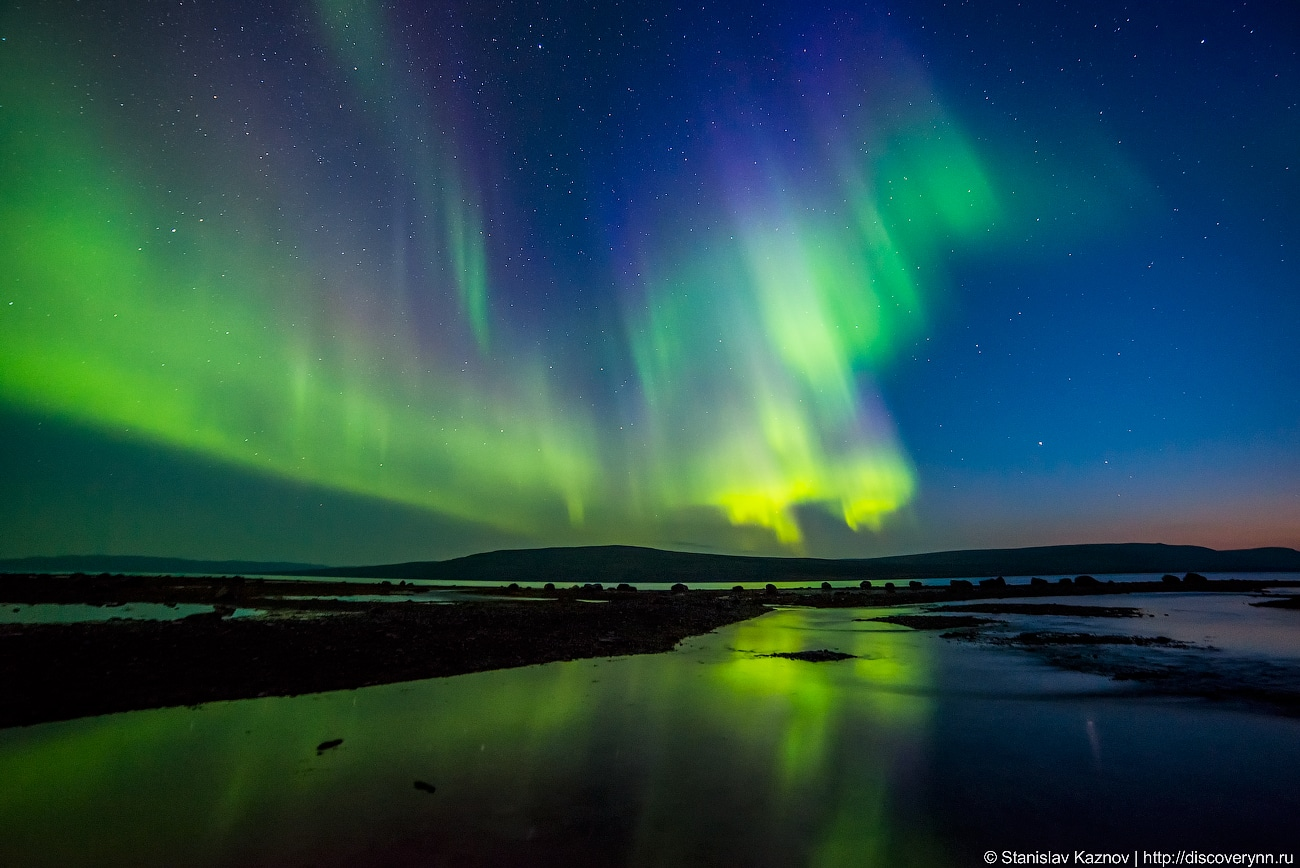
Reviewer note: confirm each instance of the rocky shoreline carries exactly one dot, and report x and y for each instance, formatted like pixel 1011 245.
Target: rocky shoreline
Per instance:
pixel 309 643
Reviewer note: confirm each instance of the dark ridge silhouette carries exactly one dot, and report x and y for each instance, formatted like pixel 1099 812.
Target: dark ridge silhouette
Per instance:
pixel 141 564
pixel 631 564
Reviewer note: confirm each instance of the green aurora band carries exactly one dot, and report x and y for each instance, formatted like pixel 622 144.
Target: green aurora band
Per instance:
pixel 751 361
pixel 196 290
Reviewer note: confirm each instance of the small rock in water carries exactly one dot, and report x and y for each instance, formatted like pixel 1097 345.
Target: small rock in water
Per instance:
pixel 931 622
pixel 328 745
pixel 425 787
pixel 821 655
pixel 202 617
pixel 914 584
pixel 678 588
pixel 826 586
pixel 864 585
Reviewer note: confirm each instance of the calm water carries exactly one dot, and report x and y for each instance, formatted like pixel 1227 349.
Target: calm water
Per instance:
pixel 73 613
pixel 921 752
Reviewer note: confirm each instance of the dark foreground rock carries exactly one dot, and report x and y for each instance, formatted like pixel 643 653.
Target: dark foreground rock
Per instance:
pixel 1292 602
pixel 63 671
pixel 1063 609
pixel 931 622
pixel 1045 637
pixel 821 655
pixel 1159 665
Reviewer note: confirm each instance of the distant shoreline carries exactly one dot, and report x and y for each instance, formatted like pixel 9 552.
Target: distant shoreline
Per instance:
pixel 633 564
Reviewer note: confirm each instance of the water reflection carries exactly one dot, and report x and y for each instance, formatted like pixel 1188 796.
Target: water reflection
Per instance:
pixel 711 755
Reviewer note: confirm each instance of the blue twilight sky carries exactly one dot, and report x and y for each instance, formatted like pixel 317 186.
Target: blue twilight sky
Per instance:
pixel 1092 336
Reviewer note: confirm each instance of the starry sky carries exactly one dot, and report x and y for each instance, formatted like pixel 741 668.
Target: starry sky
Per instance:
pixel 347 281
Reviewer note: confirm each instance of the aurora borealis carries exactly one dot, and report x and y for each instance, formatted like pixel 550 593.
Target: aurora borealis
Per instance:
pixel 346 280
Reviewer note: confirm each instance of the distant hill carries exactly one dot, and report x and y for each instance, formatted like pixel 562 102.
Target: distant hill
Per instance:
pixel 613 564
pixel 140 564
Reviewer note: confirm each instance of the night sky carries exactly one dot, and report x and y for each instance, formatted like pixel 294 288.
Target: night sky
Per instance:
pixel 346 281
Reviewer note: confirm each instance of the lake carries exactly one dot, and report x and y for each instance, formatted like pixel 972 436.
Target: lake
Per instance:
pixel 919 751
